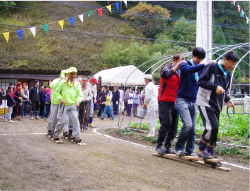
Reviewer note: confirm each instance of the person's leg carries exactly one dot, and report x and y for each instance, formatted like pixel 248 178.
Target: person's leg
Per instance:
pixel 81 114
pixel 104 112
pixel 100 110
pixel 25 108
pixel 61 121
pixel 110 111
pixel 76 125
pixel 8 115
pixel 164 122
pixel 36 109
pixel 89 108
pixel 22 110
pixel 182 107
pixel 53 117
pixel 152 114
pixel 86 114
pixel 191 137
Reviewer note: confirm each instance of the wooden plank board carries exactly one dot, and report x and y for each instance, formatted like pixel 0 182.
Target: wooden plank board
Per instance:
pixel 208 165
pixel 174 156
pixel 80 144
pixel 57 142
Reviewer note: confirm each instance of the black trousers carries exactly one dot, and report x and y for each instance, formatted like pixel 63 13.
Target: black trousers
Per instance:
pixel 168 117
pixel 210 118
pixel 101 110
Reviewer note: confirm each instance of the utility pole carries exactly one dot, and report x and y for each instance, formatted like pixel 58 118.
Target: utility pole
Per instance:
pixel 204 35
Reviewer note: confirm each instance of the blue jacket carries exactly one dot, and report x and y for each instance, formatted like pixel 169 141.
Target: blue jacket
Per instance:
pixel 188 85
pixel 136 98
pixel 10 99
pixel 42 95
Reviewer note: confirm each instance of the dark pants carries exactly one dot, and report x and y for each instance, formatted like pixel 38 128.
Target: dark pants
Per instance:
pixel 42 109
pixel 16 110
pixel 83 114
pixel 101 110
pixel 115 108
pixel 125 105
pixel 47 110
pixel 129 106
pixel 210 119
pixel 24 108
pixel 135 108
pixel 168 117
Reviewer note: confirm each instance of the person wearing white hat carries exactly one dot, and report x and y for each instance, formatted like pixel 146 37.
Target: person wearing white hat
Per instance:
pixel 151 103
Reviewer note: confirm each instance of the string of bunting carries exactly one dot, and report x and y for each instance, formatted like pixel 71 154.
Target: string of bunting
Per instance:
pixel 60 22
pixel 242 13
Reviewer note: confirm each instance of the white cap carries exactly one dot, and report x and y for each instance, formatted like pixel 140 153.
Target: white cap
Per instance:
pixel 148 76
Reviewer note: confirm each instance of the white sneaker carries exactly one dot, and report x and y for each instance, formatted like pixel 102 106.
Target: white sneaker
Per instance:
pixel 32 118
pixel 178 152
pixel 11 121
pixel 5 119
pixel 150 135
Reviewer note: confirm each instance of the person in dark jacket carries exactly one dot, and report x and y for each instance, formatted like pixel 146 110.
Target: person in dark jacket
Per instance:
pixel 18 99
pixel 115 101
pixel 186 101
pixel 34 99
pixel 42 95
pixel 10 103
pixel 213 83
pixel 102 99
pixel 1 94
pixel 168 115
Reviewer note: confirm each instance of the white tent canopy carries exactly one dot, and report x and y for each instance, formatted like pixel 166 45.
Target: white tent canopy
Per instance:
pixel 118 76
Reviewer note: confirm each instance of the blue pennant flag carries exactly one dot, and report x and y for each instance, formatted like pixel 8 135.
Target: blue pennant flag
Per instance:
pixel 71 19
pixel 20 33
pixel 117 5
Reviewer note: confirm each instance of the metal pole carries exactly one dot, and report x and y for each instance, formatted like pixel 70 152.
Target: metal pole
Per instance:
pixel 247 132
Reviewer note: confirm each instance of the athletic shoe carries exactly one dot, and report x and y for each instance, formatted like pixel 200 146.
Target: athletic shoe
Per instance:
pixel 10 121
pixel 101 118
pixel 205 155
pixel 32 118
pixel 5 119
pixel 178 152
pixel 192 155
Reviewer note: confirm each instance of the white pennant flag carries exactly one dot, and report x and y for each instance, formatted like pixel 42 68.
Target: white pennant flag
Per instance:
pixel 125 2
pixel 81 17
pixel 33 30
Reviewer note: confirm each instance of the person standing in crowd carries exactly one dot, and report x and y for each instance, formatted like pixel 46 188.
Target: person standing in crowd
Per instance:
pixel 42 99
pixel 69 92
pixel 115 101
pixel 142 98
pixel 10 103
pixel 246 102
pixel 121 102
pixel 18 99
pixel 214 81
pixel 107 106
pixel 92 84
pixel 84 105
pixel 151 103
pixel 137 98
pixel 1 94
pixel 47 102
pixel 168 115
pixel 25 100
pixel 130 98
pixel 55 105
pixel 103 101
pixel 34 100
pixel 125 99
pixel 186 101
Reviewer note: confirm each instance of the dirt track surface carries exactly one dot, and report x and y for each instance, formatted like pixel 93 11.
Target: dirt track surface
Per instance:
pixel 30 161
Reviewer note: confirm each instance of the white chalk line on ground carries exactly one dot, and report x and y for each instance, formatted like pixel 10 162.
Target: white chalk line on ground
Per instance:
pixel 152 148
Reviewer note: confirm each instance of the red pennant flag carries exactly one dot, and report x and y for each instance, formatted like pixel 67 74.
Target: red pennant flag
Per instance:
pixel 100 11
pixel 52 27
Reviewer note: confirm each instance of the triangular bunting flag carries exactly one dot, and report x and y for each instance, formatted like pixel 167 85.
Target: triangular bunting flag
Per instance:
pixel 233 2
pixel 100 11
pixel 125 1
pixel 33 30
pixel 6 36
pixel 20 33
pixel 61 23
pixel 81 17
pixel 71 19
pixel 109 8
pixel 117 5
pixel 238 7
pixel 242 14
pixel 45 27
pixel 89 13
pixel 247 19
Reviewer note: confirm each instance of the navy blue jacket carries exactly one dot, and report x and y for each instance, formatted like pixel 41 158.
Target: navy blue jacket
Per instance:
pixel 116 96
pixel 42 95
pixel 10 99
pixel 188 85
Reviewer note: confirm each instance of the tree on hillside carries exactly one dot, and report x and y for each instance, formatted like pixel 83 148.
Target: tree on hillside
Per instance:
pixel 146 15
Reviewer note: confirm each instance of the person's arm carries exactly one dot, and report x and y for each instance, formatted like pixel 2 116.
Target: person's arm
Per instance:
pixel 128 97
pixel 186 68
pixel 90 95
pixel 147 95
pixel 204 78
pixel 57 92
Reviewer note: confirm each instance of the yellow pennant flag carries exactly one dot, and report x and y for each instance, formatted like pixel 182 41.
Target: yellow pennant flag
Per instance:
pixel 61 23
pixel 6 36
pixel 109 8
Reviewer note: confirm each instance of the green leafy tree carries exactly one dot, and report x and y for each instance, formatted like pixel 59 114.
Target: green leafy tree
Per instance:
pixel 149 24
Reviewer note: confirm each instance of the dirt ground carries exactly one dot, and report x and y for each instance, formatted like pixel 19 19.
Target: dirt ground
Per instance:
pixel 30 161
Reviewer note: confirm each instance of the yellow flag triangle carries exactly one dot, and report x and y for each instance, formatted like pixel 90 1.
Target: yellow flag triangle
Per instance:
pixel 6 36
pixel 109 8
pixel 61 23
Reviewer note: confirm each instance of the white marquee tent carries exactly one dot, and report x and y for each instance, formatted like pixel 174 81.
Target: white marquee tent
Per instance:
pixel 118 76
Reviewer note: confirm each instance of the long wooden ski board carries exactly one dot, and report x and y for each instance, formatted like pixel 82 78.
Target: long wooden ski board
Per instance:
pixel 57 142
pixel 80 144
pixel 198 160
